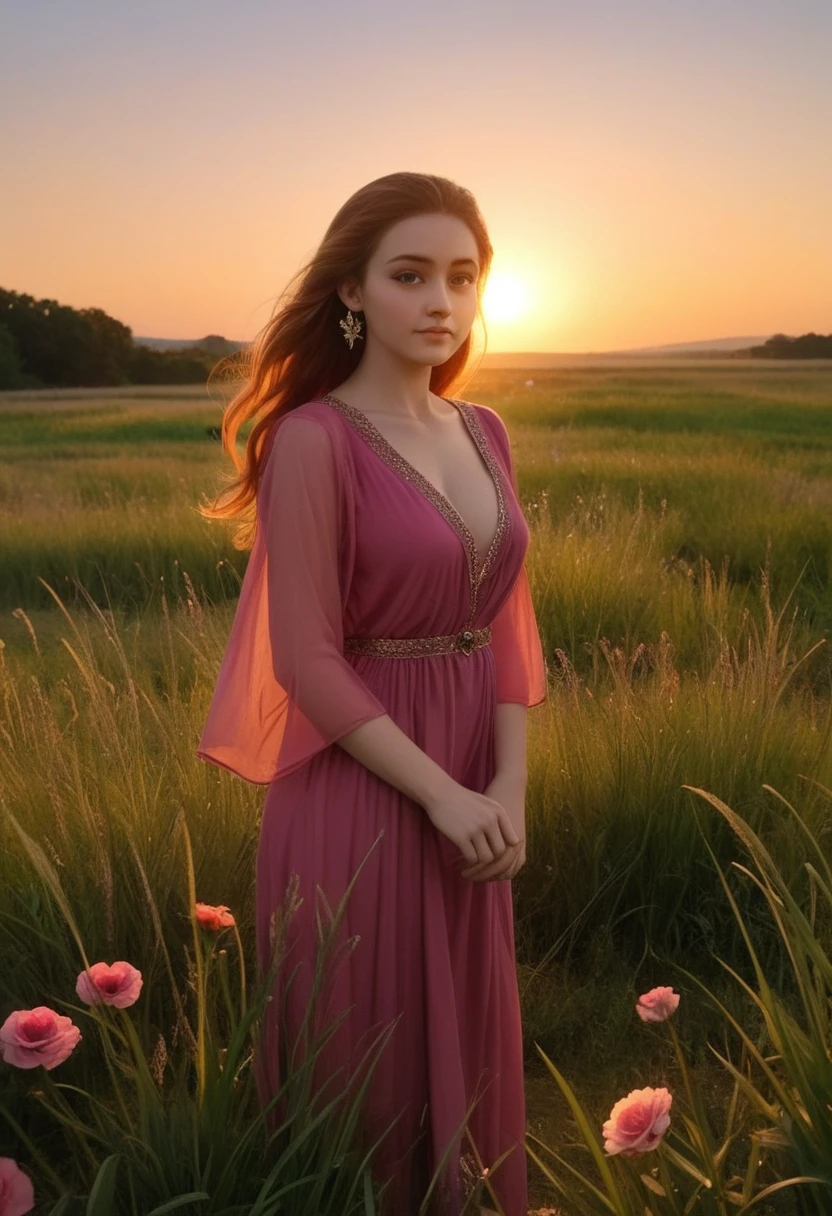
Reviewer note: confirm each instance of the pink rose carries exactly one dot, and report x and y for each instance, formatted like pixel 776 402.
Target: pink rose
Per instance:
pixel 30 1037
pixel 637 1122
pixel 17 1195
pixel 119 985
pixel 214 918
pixel 657 1005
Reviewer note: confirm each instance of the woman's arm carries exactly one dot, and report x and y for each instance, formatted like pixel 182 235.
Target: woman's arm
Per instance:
pixel 387 751
pixel 510 742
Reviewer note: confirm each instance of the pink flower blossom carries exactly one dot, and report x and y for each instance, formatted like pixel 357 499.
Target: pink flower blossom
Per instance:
pixel 657 1005
pixel 214 918
pixel 637 1122
pixel 17 1195
pixel 119 984
pixel 30 1037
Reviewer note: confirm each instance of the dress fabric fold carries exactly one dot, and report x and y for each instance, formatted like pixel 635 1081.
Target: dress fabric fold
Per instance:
pixel 352 541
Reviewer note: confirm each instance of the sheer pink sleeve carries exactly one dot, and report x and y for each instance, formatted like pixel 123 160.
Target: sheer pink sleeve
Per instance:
pixel 285 689
pixel 518 653
pixel 515 638
pixel 301 507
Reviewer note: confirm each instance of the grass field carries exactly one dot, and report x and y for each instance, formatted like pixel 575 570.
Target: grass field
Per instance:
pixel 681 565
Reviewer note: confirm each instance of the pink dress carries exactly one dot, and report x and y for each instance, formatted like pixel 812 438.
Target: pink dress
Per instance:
pixel 353 542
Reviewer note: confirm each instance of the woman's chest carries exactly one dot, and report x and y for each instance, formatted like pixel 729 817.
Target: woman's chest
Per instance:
pixel 413 546
pixel 448 463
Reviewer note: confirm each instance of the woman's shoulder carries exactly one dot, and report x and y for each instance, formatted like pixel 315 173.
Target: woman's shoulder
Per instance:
pixel 316 416
pixel 309 433
pixel 314 409
pixel 303 445
pixel 484 412
pixel 491 420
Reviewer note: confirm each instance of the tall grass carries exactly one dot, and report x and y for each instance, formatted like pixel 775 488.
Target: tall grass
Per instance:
pixel 609 756
pixel 170 1119
pixel 773 1152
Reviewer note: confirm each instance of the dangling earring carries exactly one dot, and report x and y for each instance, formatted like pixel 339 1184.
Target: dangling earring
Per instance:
pixel 351 328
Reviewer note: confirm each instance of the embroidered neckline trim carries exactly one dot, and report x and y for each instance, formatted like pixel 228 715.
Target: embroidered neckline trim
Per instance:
pixel 392 457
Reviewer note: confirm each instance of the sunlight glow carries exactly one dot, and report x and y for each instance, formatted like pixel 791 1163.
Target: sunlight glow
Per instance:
pixel 506 297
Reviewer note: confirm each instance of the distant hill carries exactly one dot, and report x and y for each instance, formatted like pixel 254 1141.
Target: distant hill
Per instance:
pixel 212 342
pixel 713 348
pixel 683 348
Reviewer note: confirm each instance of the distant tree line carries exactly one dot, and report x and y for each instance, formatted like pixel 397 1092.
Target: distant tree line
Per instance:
pixel 807 346
pixel 44 344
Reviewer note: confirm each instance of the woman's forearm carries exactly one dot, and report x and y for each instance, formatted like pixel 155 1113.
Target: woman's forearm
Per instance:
pixel 510 741
pixel 385 749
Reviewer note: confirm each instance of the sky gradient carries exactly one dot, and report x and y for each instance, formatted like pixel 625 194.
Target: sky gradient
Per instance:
pixel 649 173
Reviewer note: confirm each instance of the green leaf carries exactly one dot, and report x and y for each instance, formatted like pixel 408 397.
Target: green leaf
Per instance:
pixel 100 1202
pixel 179 1202
pixel 369 1201
pixel 617 1204
pixel 779 1186
pixel 547 1173
pixel 684 1164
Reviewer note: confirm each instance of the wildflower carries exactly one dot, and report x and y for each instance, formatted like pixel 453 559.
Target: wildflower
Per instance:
pixel 214 918
pixel 637 1122
pixel 657 1005
pixel 17 1195
pixel 103 984
pixel 30 1037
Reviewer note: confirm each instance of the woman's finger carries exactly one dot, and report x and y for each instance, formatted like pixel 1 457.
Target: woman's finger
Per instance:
pixel 485 871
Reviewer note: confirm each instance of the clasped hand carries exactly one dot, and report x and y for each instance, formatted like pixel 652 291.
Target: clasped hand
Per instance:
pixel 512 798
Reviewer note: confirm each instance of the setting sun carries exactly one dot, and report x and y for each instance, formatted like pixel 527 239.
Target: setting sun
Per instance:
pixel 506 297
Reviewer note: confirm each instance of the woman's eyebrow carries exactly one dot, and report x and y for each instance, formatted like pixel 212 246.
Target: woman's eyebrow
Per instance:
pixel 419 257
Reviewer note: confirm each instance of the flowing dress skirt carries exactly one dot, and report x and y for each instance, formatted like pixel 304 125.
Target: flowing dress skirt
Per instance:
pixel 433 949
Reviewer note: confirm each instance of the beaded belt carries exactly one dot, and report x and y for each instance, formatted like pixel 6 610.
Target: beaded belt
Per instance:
pixel 466 641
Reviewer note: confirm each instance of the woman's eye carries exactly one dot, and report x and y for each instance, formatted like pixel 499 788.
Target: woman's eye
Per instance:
pixel 401 275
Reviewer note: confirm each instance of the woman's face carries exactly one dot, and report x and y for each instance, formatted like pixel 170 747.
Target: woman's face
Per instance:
pixel 424 273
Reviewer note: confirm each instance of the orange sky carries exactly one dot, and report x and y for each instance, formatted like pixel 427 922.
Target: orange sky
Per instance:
pixel 649 173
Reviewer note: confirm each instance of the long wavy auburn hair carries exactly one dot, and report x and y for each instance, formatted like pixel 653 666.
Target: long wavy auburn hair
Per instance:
pixel 301 353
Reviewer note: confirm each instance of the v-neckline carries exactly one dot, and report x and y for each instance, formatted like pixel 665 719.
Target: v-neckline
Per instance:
pixel 391 455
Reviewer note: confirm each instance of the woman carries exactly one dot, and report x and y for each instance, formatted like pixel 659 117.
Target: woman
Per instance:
pixel 386 609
